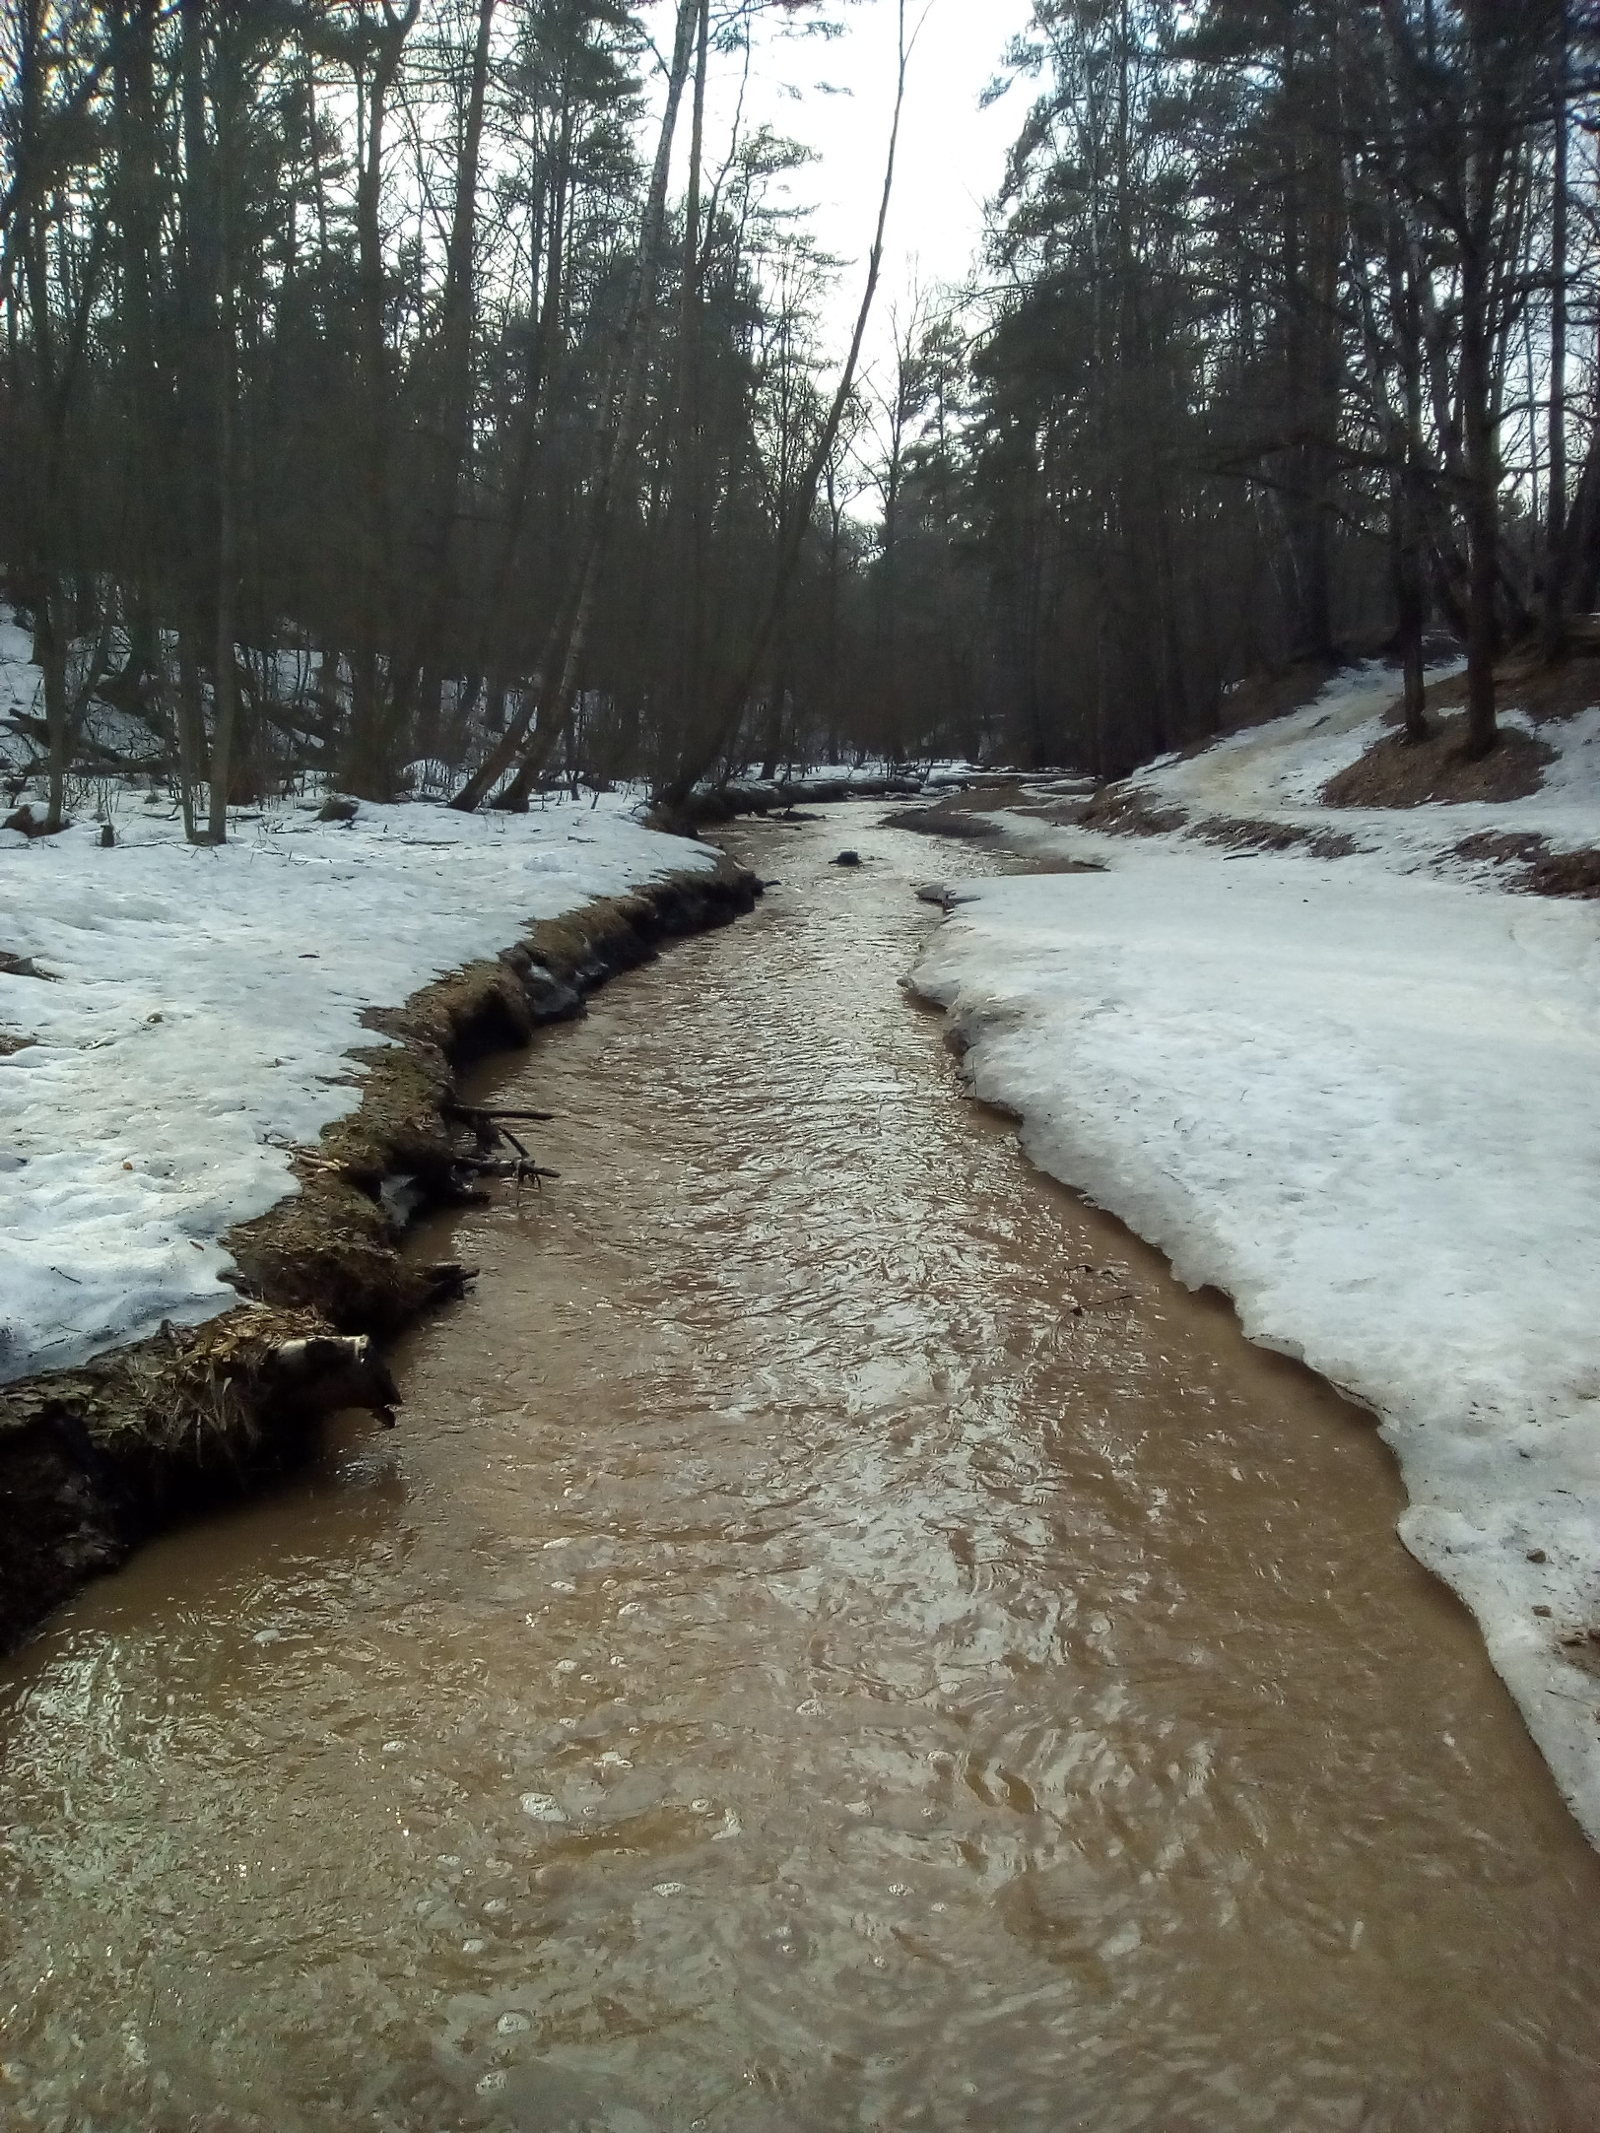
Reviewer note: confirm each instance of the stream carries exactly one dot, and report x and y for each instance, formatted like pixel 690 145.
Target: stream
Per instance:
pixel 838 1640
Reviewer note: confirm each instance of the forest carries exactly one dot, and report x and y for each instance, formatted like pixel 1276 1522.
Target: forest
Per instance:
pixel 427 394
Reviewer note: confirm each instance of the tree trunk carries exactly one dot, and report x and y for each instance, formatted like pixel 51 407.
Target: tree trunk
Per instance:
pixel 453 410
pixel 224 680
pixel 1482 506
pixel 792 537
pixel 191 727
pixel 369 756
pixel 553 702
pixel 1556 555
pixel 50 645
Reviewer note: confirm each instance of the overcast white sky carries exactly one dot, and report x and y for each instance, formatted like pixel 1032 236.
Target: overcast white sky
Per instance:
pixel 952 155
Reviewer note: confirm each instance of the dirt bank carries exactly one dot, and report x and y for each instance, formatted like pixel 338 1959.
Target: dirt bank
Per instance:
pixel 1396 772
pixel 95 1460
pixel 825 1568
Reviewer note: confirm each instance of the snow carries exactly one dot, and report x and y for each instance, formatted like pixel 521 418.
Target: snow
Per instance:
pixel 1274 773
pixel 204 1003
pixel 828 781
pixel 21 689
pixel 1363 1097
pixel 104 731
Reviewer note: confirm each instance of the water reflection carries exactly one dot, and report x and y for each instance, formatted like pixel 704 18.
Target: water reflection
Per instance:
pixel 838 1641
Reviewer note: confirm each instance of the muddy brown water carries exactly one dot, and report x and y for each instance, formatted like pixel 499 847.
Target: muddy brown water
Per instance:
pixel 791 1669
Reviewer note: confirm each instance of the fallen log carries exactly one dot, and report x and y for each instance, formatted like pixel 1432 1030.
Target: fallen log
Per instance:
pixel 520 1168
pixel 469 1114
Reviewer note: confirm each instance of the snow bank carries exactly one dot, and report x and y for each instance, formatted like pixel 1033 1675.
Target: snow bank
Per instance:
pixel 1273 773
pixel 825 781
pixel 1364 1101
pixel 204 1003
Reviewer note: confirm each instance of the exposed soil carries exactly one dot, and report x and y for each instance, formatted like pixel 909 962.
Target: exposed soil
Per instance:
pixel 1565 874
pixel 1119 811
pixel 1527 683
pixel 1260 698
pixel 943 821
pixel 1544 873
pixel 1502 847
pixel 1122 812
pixel 1246 834
pixel 1395 772
pixel 1276 691
pixel 93 1461
pixel 31 825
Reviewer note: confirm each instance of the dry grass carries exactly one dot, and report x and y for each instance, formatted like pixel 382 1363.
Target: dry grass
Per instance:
pixel 1260 698
pixel 1526 682
pixel 1395 772
pixel 1544 873
pixel 1124 813
pixel 1565 874
pixel 1246 834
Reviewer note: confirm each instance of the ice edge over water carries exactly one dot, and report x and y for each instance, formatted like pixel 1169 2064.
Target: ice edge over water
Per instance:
pixel 1365 1102
pixel 204 1005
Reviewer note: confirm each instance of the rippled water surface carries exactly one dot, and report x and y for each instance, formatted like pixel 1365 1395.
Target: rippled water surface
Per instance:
pixel 837 1641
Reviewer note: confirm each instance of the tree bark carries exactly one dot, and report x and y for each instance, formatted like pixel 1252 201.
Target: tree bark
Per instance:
pixel 369 763
pixel 453 406
pixel 553 704
pixel 1557 553
pixel 1482 512
pixel 792 537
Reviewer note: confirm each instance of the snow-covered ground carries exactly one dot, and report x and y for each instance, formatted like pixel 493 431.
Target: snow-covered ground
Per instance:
pixel 101 728
pixel 1364 1099
pixel 200 1003
pixel 203 1004
pixel 1274 773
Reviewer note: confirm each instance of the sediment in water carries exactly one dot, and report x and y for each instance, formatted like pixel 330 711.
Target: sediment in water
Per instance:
pixel 96 1460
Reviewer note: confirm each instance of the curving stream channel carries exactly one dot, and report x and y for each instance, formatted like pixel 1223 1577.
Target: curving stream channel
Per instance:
pixel 837 1641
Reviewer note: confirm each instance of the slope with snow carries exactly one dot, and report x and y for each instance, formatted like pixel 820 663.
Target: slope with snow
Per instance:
pixel 1364 1099
pixel 1274 773
pixel 196 1018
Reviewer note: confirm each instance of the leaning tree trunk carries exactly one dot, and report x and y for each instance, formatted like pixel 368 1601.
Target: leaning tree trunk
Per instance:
pixel 792 536
pixel 553 702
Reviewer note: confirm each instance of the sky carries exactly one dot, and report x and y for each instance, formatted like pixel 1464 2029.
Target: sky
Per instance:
pixel 952 155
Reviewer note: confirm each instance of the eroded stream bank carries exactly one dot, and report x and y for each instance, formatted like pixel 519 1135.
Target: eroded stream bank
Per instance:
pixel 788 1671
